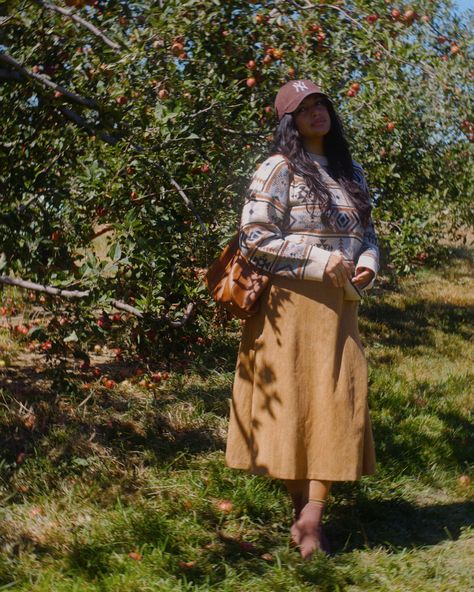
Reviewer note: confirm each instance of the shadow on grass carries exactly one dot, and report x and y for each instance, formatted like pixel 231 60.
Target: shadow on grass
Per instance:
pixel 396 524
pixel 411 326
pixel 420 424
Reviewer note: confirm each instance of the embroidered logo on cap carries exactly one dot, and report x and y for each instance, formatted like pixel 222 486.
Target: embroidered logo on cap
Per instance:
pixel 300 85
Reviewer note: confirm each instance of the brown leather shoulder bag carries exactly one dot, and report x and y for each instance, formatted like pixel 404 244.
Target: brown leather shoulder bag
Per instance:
pixel 235 283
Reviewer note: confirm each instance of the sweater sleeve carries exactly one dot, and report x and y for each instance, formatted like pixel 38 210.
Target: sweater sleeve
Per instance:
pixel 369 255
pixel 261 228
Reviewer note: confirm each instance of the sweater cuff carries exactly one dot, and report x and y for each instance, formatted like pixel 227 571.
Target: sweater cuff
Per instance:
pixel 366 260
pixel 316 265
pixel 369 262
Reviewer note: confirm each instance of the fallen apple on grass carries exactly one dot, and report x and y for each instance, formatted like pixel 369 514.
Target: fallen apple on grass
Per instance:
pixel 225 506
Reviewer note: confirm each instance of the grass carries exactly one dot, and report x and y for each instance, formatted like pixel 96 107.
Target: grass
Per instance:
pixel 119 490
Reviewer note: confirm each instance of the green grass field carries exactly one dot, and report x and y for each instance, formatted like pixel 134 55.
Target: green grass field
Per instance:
pixel 120 491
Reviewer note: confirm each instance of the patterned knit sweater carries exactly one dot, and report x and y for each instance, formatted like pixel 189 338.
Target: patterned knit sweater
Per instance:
pixel 281 230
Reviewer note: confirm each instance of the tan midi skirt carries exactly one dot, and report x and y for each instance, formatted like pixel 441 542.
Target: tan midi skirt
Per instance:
pixel 299 403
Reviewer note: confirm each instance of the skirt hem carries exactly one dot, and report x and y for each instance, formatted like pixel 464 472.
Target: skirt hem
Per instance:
pixel 319 477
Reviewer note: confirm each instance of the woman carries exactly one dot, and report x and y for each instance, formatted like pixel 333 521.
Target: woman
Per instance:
pixel 299 406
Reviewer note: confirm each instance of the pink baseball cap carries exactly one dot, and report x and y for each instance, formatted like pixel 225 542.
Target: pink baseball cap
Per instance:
pixel 292 93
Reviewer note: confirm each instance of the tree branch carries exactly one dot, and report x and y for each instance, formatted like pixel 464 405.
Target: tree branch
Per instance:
pixel 81 122
pixel 180 190
pixel 27 285
pixel 4 19
pixel 78 294
pixel 70 13
pixel 102 230
pixel 8 60
pixel 188 202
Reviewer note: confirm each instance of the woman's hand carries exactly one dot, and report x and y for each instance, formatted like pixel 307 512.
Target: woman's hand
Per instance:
pixel 363 277
pixel 338 270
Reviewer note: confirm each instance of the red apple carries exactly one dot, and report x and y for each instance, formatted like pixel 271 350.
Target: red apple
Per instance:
pixel 409 16
pixel 37 510
pixel 163 93
pixel 372 18
pixel 122 100
pixel 103 322
pixel 177 48
pixel 390 126
pixel 225 506
pixel 251 82
pixel 20 458
pixel 186 564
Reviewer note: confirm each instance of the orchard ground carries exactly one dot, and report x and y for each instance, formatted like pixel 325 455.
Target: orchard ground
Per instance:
pixel 123 487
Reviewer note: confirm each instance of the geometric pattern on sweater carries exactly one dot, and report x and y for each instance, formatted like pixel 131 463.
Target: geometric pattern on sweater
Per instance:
pixel 281 230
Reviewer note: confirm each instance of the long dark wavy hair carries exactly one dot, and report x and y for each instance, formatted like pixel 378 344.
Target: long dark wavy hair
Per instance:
pixel 288 142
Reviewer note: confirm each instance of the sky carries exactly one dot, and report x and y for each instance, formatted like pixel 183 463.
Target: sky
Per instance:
pixel 464 4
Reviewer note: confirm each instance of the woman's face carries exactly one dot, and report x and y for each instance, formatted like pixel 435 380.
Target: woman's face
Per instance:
pixel 312 117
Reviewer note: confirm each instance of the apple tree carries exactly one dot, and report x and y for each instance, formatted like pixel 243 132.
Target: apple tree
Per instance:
pixel 130 130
